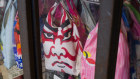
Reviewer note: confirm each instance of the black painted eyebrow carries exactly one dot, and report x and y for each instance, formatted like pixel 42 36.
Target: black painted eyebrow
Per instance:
pixel 68 31
pixel 51 28
pixel 65 24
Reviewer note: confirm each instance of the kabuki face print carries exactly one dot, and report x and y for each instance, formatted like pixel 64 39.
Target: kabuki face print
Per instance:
pixel 61 45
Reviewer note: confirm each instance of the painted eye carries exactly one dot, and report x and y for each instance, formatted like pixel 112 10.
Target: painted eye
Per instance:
pixel 49 35
pixel 67 36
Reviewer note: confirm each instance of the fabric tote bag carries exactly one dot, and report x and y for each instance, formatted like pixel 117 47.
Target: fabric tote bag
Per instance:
pixel 6 33
pixel 88 59
pixel 61 44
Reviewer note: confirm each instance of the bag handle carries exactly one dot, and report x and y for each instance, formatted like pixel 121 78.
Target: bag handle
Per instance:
pixel 67 12
pixel 69 7
pixel 74 7
pixel 53 9
pixel 7 9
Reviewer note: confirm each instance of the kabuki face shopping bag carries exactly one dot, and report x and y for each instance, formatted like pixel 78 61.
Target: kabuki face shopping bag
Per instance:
pixel 88 59
pixel 61 44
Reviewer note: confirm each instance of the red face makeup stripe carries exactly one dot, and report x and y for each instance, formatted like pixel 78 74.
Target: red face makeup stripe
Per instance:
pixel 58 37
pixel 50 53
pixel 73 58
pixel 80 47
pixel 49 16
pixel 64 17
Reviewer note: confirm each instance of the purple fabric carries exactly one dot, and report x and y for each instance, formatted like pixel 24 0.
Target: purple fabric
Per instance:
pixel 135 27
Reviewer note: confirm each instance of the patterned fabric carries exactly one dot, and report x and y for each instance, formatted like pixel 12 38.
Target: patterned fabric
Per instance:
pixel 134 42
pixel 61 44
pixel 18 53
pixel 88 60
pixel 136 13
pixel 89 56
pixel 128 24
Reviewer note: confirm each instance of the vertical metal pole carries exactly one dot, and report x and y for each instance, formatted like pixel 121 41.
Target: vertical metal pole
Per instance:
pixel 26 33
pixel 108 37
pixel 30 38
pixel 36 32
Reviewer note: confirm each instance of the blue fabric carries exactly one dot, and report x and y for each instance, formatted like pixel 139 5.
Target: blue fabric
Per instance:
pixel 125 18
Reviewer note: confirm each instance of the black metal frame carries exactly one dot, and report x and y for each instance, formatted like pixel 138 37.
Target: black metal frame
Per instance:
pixel 30 38
pixel 108 35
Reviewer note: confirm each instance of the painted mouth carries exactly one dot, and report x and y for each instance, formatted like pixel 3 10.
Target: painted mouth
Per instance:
pixel 66 64
pixel 61 66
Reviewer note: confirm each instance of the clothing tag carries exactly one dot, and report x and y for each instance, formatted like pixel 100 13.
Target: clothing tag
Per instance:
pixel 56 77
pixel 2 3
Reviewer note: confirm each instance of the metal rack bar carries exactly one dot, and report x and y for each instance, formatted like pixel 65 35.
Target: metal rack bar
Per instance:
pixel 36 32
pixel 108 36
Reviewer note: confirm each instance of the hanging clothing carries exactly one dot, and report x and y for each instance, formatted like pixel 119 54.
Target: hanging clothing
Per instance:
pixel 17 43
pixel 6 33
pixel 134 42
pixel 88 60
pixel 136 13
